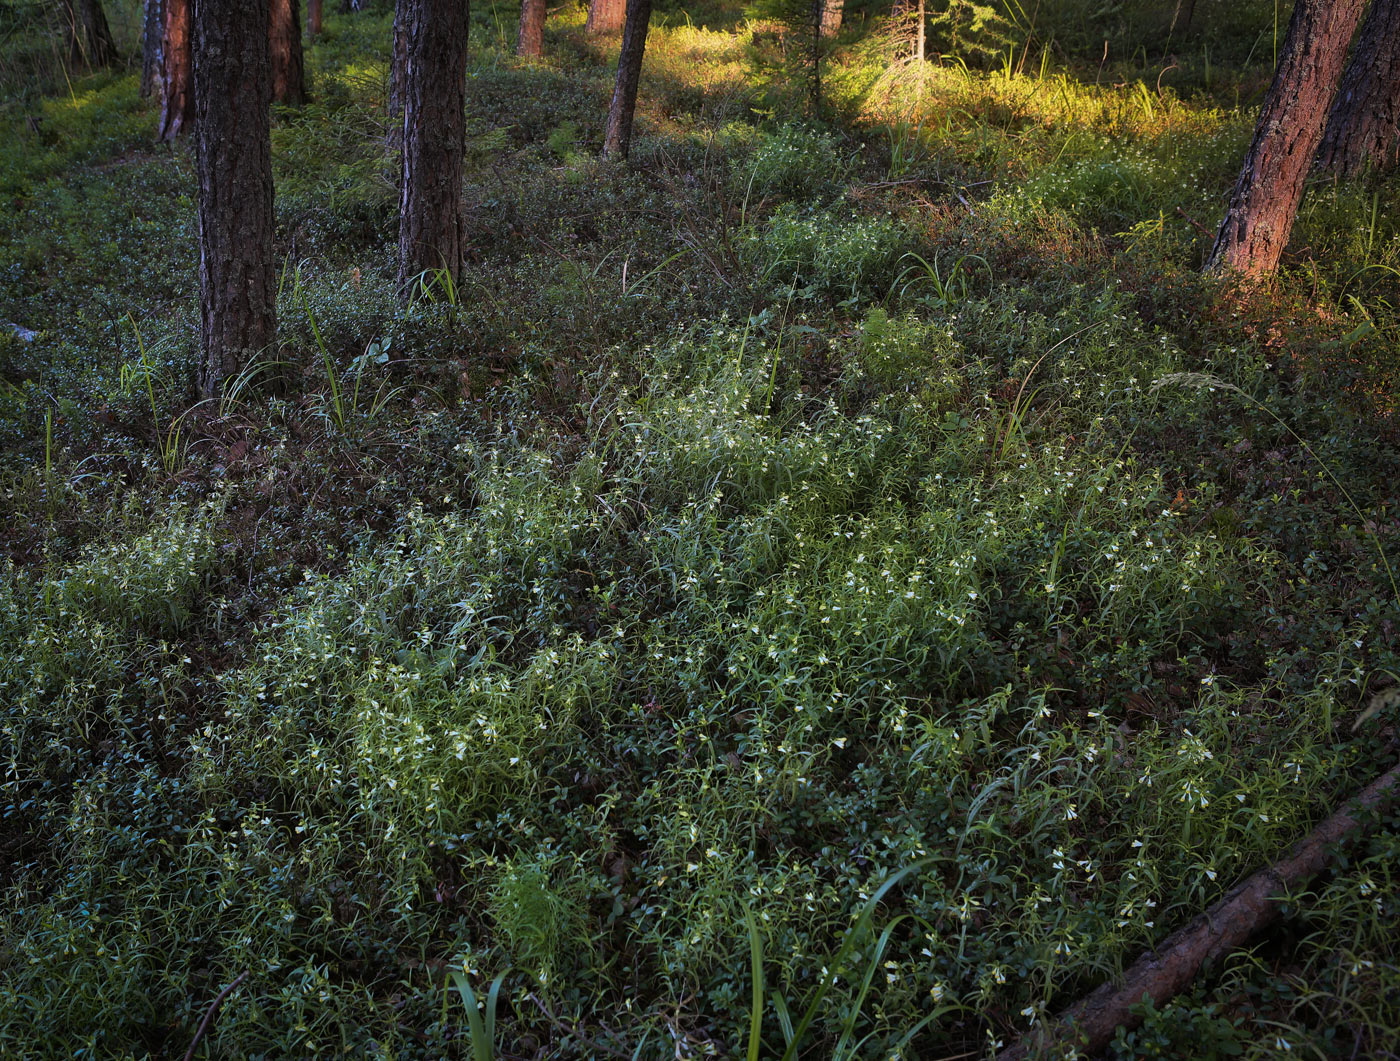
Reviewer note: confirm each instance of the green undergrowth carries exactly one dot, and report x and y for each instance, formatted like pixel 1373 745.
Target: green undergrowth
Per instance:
pixel 806 505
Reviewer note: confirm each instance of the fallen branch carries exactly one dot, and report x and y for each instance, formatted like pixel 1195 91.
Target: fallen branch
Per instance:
pixel 1247 909
pixel 209 1014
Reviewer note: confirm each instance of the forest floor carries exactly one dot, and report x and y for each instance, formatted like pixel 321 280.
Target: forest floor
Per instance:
pixel 797 504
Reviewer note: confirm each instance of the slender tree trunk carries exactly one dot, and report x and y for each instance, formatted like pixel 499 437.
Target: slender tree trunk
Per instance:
pixel 921 50
pixel 233 152
pixel 1365 119
pixel 288 64
pixel 313 18
pixel 176 70
pixel 89 37
pixel 617 138
pixel 1265 201
pixel 829 14
pixel 431 220
pixel 530 40
pixel 152 30
pixel 605 16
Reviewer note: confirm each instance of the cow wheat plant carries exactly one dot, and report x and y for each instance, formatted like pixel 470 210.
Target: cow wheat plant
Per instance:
pixel 779 599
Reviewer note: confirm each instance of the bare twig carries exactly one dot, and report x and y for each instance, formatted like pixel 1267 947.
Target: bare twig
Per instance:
pixel 210 1012
pixel 1248 908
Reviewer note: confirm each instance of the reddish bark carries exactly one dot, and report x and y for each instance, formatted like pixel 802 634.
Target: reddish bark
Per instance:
pixel 431 217
pixel 288 63
pixel 829 14
pixel 529 42
pixel 1265 201
pixel 233 153
pixel 176 71
pixel 1365 120
pixel 605 16
pixel 1245 911
pixel 313 18
pixel 617 138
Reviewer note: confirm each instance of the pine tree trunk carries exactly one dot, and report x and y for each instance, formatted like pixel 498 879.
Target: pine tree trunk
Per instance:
pixel 233 152
pixel 288 64
pixel 605 16
pixel 530 40
pixel 1365 119
pixel 176 70
pixel 313 18
pixel 431 220
pixel 398 70
pixel 921 49
pixel 617 138
pixel 152 30
pixel 89 37
pixel 829 17
pixel 1265 201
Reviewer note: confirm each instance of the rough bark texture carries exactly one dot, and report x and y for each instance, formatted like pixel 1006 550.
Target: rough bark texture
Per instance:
pixel 288 64
pixel 89 37
pixel 605 16
pixel 530 40
pixel 1246 910
pixel 1365 121
pixel 829 14
pixel 617 138
pixel 152 30
pixel 176 70
pixel 313 18
pixel 398 70
pixel 431 220
pixel 1265 201
pixel 233 151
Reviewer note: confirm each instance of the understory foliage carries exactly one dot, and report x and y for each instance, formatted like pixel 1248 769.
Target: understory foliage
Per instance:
pixel 802 505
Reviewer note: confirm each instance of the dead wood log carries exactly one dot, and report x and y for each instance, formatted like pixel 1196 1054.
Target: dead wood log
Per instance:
pixel 1246 910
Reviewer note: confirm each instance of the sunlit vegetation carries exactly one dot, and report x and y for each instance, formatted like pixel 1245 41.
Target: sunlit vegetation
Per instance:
pixel 823 494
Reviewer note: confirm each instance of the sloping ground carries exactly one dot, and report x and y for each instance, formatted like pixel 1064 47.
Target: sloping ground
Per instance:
pixel 787 509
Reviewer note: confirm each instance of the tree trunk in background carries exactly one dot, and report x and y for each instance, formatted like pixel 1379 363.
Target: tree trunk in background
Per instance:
pixel 1365 119
pixel 152 30
pixel 921 48
pixel 288 65
pixel 1265 201
pixel 176 70
pixel 313 18
pixel 829 14
pixel 617 138
pixel 605 16
pixel 529 41
pixel 431 219
pixel 233 153
pixel 89 37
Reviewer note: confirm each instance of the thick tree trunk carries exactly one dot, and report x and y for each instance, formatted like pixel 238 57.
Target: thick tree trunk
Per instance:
pixel 233 151
pixel 176 70
pixel 313 18
pixel 829 14
pixel 398 71
pixel 605 16
pixel 152 30
pixel 431 220
pixel 288 65
pixel 529 42
pixel 1265 201
pixel 617 138
pixel 89 37
pixel 1365 119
